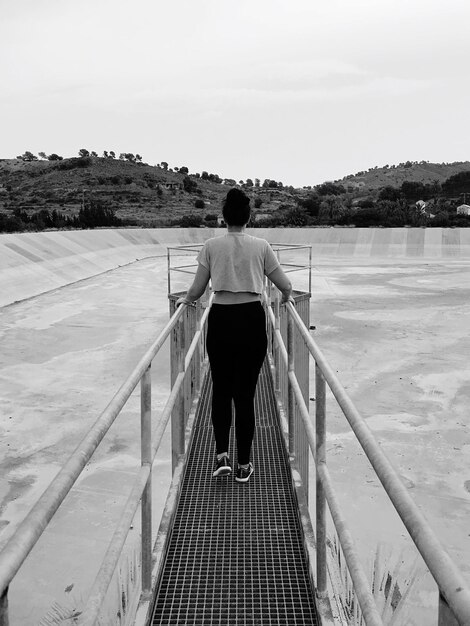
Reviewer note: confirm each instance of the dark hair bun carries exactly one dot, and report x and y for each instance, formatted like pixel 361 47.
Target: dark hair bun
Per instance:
pixel 236 209
pixel 236 197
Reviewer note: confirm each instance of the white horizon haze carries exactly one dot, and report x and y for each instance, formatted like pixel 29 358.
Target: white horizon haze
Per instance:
pixel 296 91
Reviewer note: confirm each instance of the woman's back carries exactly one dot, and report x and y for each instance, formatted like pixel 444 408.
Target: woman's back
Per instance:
pixel 238 262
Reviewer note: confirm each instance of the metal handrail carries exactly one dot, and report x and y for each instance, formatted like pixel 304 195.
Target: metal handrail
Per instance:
pixel 109 564
pixel 31 528
pixel 361 585
pixel 104 576
pixel 444 571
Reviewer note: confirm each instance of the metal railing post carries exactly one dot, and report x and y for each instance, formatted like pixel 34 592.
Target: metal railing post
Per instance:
pixel 4 621
pixel 177 417
pixel 146 459
pixel 290 390
pixel 168 269
pixel 267 288
pixel 446 616
pixel 320 453
pixel 277 359
pixel 310 270
pixel 198 360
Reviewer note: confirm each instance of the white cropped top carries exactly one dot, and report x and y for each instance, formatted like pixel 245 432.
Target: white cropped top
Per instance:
pixel 238 262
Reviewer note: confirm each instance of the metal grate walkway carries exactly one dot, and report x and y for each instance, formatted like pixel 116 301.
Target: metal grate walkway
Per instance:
pixel 235 554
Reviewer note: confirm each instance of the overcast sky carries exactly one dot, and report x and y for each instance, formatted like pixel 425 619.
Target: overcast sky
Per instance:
pixel 300 91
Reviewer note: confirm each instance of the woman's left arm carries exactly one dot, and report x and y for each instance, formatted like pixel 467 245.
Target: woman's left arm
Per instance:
pixel 197 288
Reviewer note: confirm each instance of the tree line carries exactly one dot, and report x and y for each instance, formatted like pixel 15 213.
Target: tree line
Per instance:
pixel 411 204
pixel 92 215
pixel 83 153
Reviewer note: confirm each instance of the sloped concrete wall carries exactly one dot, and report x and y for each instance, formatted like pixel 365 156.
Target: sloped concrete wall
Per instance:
pixel 33 263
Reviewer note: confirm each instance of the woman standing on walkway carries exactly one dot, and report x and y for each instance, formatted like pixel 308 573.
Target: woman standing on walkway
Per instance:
pixel 236 263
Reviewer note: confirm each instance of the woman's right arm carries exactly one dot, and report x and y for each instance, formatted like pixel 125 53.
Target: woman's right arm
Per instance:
pixel 279 278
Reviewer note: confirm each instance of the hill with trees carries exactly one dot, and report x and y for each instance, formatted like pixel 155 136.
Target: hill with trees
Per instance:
pixel 88 191
pixel 410 171
pixel 50 191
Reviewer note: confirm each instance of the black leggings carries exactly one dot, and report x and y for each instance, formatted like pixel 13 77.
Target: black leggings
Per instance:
pixel 236 345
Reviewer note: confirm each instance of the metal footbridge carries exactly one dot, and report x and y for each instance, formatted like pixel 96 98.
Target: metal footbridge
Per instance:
pixel 235 553
pixel 225 553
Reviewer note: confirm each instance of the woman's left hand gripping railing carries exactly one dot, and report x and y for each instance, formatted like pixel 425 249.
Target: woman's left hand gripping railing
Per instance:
pixel 30 530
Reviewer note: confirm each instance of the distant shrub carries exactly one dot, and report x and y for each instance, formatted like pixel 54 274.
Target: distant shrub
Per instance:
pixel 460 220
pixel 189 185
pixel 97 215
pixel 294 216
pixel 389 193
pixel 191 221
pixel 27 156
pixel 457 184
pixel 442 219
pixel 311 204
pixel 11 224
pixel 199 204
pixel 330 189
pixel 70 164
pixel 413 190
pixel 368 216
pixel 268 222
pixel 367 203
